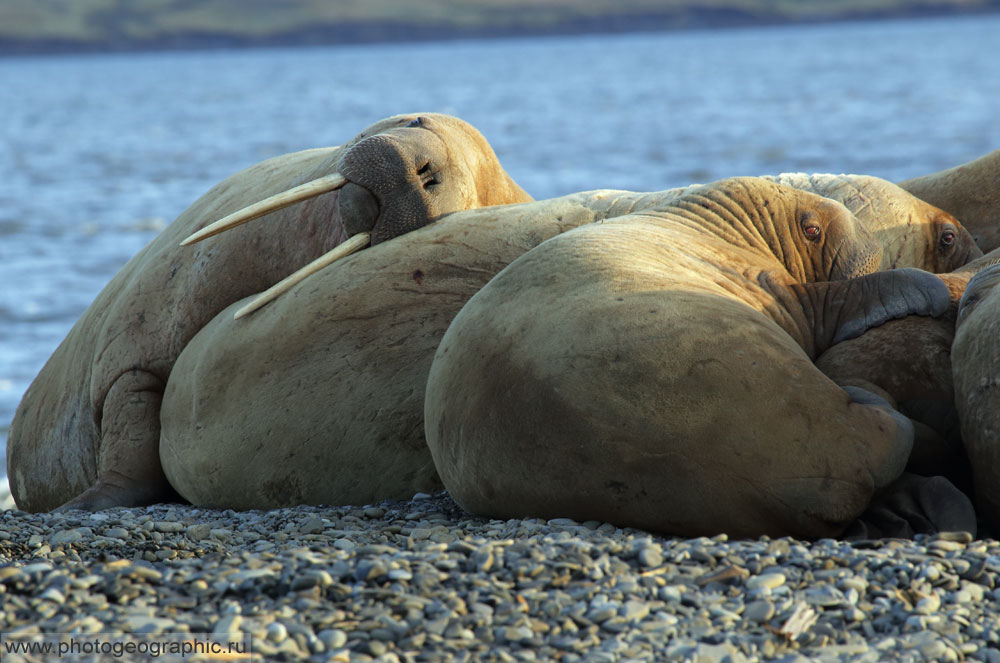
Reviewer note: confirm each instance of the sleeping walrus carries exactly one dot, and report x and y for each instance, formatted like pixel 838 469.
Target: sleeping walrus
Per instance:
pixel 87 432
pixel 656 371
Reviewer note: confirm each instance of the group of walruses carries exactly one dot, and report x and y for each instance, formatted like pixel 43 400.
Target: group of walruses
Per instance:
pixel 786 355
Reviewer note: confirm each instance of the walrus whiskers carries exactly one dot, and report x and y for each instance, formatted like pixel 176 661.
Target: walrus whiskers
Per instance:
pixel 273 203
pixel 352 245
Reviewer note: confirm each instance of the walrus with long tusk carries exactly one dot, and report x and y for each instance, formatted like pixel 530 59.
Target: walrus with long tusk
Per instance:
pixel 86 434
pixel 656 371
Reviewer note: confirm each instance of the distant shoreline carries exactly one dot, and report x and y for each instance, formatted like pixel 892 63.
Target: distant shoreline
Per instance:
pixel 380 32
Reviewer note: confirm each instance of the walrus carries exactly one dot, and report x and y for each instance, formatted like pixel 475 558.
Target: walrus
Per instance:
pixel 318 398
pixel 975 356
pixel 912 232
pixel 971 192
pixel 86 434
pixel 656 371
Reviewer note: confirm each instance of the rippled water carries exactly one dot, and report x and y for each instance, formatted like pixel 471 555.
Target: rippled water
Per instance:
pixel 101 152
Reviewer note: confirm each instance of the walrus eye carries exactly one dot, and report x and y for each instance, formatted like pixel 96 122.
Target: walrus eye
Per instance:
pixel 812 231
pixel 947 238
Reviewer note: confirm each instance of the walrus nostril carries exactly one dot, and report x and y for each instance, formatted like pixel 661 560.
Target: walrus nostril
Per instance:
pixel 428 176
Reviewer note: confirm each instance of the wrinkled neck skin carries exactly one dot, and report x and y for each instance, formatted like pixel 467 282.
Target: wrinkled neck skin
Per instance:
pixel 969 192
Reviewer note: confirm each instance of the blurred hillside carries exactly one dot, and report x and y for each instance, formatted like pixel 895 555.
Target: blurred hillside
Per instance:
pixel 40 26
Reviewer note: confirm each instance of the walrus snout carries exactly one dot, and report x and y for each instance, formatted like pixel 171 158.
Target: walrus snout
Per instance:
pixel 401 170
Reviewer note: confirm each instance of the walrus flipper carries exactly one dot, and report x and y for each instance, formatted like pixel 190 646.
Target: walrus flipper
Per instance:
pixel 914 505
pixel 128 468
pixel 846 309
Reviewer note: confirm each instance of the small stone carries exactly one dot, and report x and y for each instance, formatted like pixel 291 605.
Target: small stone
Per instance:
pixel 276 632
pixel 38 568
pixel 168 526
pixel 12 575
pixel 344 544
pixel 70 536
pixel 147 625
pixel 824 596
pixel 420 533
pixel 707 653
pixel 400 574
pixel 602 612
pixel 117 533
pixel 332 638
pixel 198 532
pixel 928 604
pixel 934 650
pixel 54 595
pixel 634 610
pixel 483 559
pixel 311 525
pixel 650 556
pixel 228 625
pixel 519 634
pixel 370 571
pixel 759 611
pixel 374 512
pixel 769 580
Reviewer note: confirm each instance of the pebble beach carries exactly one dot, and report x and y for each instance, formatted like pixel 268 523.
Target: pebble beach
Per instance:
pixel 421 580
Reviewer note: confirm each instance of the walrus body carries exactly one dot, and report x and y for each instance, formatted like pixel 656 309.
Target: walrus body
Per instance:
pixel 87 431
pixel 976 371
pixel 971 192
pixel 656 371
pixel 318 397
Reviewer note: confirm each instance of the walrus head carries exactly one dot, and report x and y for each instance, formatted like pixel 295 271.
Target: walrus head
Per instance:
pixel 979 286
pixel 397 175
pixel 837 245
pixel 425 166
pixel 816 238
pixel 951 245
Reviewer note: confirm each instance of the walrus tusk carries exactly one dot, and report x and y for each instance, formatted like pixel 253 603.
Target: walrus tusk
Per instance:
pixel 302 192
pixel 352 245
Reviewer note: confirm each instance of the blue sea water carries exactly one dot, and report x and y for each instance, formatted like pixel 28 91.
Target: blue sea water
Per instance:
pixel 100 152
